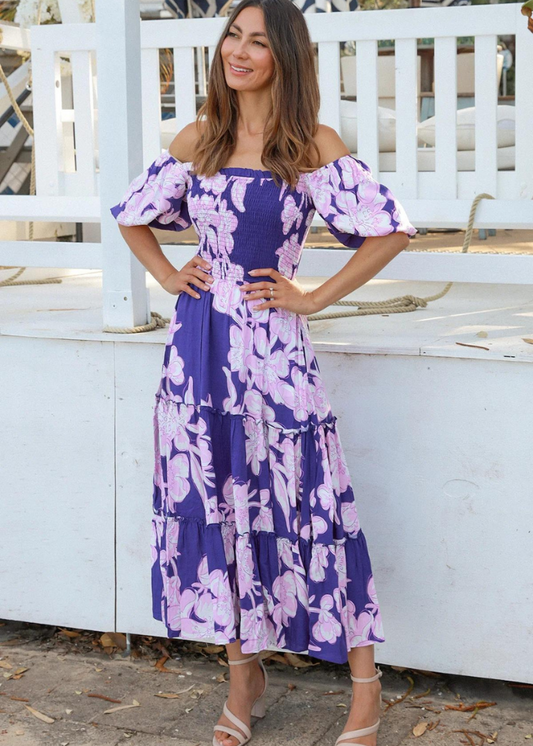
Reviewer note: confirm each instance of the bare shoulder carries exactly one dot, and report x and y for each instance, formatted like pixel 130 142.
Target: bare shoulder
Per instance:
pixel 330 145
pixel 183 145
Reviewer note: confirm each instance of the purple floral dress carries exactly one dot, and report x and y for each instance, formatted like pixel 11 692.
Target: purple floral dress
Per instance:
pixel 255 528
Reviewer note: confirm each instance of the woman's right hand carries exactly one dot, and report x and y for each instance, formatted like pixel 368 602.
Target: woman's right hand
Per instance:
pixel 192 272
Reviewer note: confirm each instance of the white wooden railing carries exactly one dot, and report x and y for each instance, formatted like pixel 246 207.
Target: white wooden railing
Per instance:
pixel 71 188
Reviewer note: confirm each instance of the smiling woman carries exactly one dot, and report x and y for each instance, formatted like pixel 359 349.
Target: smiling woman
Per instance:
pixel 256 537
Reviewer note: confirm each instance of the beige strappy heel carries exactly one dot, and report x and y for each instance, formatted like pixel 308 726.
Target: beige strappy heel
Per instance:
pixel 362 731
pixel 258 709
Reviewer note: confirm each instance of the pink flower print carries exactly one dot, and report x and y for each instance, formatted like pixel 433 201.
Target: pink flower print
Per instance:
pixel 222 600
pixel 361 630
pixel 298 399
pixel 174 325
pixel 290 459
pixel 319 525
pixel 175 366
pixel 283 325
pixel 339 470
pixel 178 479
pixel 363 215
pixel 327 500
pixel 284 588
pixel 264 521
pixel 238 192
pixel 290 214
pixel 167 425
pixel 241 340
pixel 327 628
pixel 242 511
pixel 285 553
pixel 350 519
pixel 245 567
pixel 228 538
pixel 157 195
pixel 371 590
pixel 226 296
pixel 255 405
pixel 172 586
pixel 318 399
pixel 319 562
pixel 205 213
pixel 215 184
pixel 352 171
pixel 400 216
pixel 227 223
pixel 340 567
pixel 172 538
pixel 256 450
pixel 322 194
pixel 251 623
pixel 289 256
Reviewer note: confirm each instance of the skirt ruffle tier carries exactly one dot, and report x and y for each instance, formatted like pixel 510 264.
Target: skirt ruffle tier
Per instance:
pixel 256 535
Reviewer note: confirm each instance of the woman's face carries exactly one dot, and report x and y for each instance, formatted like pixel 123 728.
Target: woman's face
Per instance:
pixel 246 46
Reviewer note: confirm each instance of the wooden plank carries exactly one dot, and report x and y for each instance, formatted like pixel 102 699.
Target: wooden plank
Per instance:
pixel 185 86
pixel 329 81
pixel 151 105
pixel 82 81
pixel 367 104
pixel 486 96
pixel 430 266
pixel 408 23
pixel 406 102
pixel 27 207
pixel 51 254
pixel 524 107
pixel 446 117
pixel 46 95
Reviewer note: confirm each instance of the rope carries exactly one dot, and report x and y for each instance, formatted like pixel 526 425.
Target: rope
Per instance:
pixel 157 322
pixel 404 303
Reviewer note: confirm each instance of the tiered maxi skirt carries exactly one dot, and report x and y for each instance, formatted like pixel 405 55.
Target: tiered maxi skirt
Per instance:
pixel 255 529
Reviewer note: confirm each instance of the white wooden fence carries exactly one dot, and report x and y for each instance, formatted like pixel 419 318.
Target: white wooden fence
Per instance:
pixel 128 112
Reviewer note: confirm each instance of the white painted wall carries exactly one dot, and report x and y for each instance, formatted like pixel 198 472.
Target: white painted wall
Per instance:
pixel 439 453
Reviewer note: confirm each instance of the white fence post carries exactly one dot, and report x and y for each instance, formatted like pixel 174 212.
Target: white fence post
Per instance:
pixel 125 298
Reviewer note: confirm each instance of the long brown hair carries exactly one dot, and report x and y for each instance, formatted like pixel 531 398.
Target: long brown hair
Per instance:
pixel 293 117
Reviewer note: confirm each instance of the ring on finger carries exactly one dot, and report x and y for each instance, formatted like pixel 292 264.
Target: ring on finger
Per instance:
pixel 271 292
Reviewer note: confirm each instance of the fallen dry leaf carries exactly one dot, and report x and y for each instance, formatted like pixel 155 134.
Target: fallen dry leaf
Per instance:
pixel 122 707
pixel 468 708
pixel 465 344
pixel 482 334
pixel 113 639
pixel 39 715
pixel 5 664
pixel 69 632
pixel 103 696
pixel 420 729
pixel 530 342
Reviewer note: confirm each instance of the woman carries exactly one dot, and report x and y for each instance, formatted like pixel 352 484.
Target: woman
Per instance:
pixel 256 540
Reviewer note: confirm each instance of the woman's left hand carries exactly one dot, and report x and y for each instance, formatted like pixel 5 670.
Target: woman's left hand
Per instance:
pixel 288 294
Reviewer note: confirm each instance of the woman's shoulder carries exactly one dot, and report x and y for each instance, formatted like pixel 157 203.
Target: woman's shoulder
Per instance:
pixel 183 145
pixel 330 146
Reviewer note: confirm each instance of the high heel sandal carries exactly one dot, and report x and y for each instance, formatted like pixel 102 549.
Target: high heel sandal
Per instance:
pixel 258 709
pixel 362 731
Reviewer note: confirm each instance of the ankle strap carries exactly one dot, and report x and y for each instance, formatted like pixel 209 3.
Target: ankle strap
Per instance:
pixel 243 660
pixel 371 678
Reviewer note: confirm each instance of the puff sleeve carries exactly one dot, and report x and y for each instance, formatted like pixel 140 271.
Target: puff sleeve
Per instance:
pixel 353 204
pixel 157 197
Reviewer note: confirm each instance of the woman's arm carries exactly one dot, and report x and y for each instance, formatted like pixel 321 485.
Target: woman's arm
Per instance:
pixel 369 259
